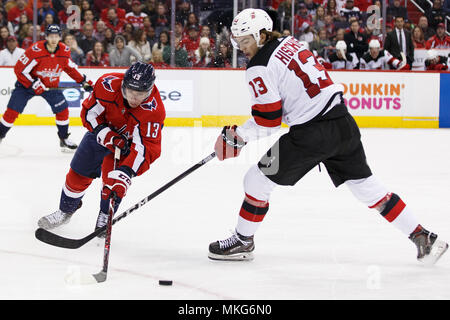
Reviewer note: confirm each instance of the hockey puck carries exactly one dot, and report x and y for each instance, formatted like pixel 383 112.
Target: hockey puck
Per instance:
pixel 165 282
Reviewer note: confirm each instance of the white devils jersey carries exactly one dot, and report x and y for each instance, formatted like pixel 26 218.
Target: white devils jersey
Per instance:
pixel 349 63
pixel 286 84
pixel 382 62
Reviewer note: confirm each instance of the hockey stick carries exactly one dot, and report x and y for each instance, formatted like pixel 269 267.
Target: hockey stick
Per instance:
pixel 101 276
pixel 62 88
pixel 59 241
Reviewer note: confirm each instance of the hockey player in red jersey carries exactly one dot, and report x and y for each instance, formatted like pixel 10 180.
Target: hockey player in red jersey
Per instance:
pixel 124 111
pixel 286 83
pixel 37 70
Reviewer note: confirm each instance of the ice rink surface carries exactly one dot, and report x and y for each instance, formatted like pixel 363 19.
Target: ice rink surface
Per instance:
pixel 316 242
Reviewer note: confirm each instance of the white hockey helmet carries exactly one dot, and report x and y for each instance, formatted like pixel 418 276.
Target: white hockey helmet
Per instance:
pixel 374 43
pixel 250 22
pixel 432 54
pixel 341 45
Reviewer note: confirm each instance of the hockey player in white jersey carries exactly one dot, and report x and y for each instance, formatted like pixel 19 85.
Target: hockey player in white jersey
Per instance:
pixel 380 59
pixel 287 84
pixel 341 59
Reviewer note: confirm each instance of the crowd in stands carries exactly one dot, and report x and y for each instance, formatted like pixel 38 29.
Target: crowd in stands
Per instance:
pixel 119 32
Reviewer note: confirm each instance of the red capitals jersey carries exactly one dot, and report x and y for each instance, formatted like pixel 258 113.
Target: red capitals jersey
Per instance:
pixel 142 125
pixel 38 62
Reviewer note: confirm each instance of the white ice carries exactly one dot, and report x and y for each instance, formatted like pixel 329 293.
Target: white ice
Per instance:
pixel 316 242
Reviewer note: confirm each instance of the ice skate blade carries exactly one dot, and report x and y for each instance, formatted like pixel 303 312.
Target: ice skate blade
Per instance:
pixel 247 256
pixel 67 150
pixel 437 250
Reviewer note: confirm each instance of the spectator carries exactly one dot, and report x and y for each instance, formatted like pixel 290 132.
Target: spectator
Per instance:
pixel 12 53
pixel 157 60
pixel 329 27
pixel 435 61
pixel 302 21
pixel 331 10
pixel 62 14
pixel 76 53
pixel 85 6
pixel 88 17
pixel 319 18
pixel 128 31
pixel 164 40
pixel 161 21
pixel 396 10
pixel 191 42
pixel 97 57
pixel 223 58
pixel 181 55
pixel 108 42
pixel 150 8
pixel 427 31
pixel 435 14
pixel 340 35
pixel 182 12
pixel 203 56
pixel 178 31
pixel 440 40
pixel 18 29
pixel 46 9
pixel 86 39
pixel 99 32
pixel 113 4
pixel 48 20
pixel 136 16
pixel 311 6
pixel 418 38
pixel 113 21
pixel 141 45
pixel 151 36
pixel 286 33
pixel 350 11
pixel 4 34
pixel 28 40
pixel 192 21
pixel 120 55
pixel 355 40
pixel 15 12
pixel 399 42
pixel 206 32
pixel 321 43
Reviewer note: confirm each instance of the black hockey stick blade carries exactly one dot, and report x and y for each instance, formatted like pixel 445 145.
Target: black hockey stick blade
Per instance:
pixel 58 241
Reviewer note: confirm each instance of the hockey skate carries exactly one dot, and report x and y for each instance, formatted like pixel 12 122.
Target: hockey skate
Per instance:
pixel 235 248
pixel 429 248
pixel 56 219
pixel 67 145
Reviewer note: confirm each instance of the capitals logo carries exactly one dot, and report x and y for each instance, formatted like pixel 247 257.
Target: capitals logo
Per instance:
pixel 151 105
pixel 107 83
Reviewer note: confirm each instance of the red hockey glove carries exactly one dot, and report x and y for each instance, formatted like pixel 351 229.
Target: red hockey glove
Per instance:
pixel 229 143
pixel 404 67
pixel 117 183
pixel 111 139
pixel 38 87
